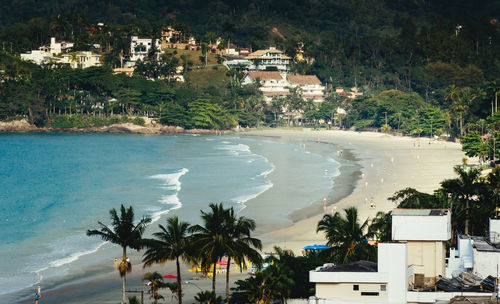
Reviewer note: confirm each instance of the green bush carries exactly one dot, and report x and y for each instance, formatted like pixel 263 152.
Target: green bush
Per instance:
pixel 139 121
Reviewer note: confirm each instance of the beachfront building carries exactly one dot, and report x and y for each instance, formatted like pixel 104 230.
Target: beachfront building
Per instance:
pixel 270 59
pixel 272 84
pixel 476 254
pixel 276 84
pixel 308 86
pixel 364 282
pixel 81 60
pixel 47 53
pixel 426 232
pixel 141 47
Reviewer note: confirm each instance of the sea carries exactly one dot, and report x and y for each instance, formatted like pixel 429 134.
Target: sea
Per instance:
pixel 53 187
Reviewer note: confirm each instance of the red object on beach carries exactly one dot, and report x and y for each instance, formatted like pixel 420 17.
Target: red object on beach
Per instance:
pixel 170 276
pixel 222 263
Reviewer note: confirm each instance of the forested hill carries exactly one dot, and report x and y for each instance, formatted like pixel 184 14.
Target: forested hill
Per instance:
pixel 362 17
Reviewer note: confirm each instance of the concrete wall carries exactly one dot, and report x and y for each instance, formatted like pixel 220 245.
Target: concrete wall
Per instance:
pixel 486 263
pixel 345 291
pixel 393 260
pixel 421 228
pixel 428 258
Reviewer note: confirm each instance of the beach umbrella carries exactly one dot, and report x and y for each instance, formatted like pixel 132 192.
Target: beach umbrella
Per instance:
pixel 316 247
pixel 221 263
pixel 170 276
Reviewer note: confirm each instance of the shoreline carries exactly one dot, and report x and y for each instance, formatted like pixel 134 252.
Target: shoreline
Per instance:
pixel 302 230
pixel 23 126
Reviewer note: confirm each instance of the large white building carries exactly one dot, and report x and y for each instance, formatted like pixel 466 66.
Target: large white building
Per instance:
pixel 82 60
pixel 271 58
pixel 140 48
pixel 38 56
pixel 275 84
pixel 363 281
pixel 309 86
pixel 425 231
pixel 418 234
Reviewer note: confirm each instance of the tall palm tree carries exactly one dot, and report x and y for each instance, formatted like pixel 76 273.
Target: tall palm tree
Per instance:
pixel 240 245
pixel 381 226
pixel 210 239
pixel 346 236
pixel 170 243
pixel 463 189
pixel 125 233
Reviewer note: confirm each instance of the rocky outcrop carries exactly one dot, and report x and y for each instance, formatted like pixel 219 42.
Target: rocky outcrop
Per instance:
pixel 23 126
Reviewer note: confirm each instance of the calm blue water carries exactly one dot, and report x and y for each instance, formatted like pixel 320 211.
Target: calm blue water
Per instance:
pixel 53 187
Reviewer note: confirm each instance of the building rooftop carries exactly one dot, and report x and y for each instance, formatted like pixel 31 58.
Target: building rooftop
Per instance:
pixel 265 75
pixel 419 212
pixel 481 243
pixel 303 79
pixel 359 266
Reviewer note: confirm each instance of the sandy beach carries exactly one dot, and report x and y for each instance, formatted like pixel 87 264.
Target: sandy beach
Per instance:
pixel 375 167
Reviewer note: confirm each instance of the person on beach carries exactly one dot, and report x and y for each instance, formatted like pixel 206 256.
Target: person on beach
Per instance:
pixel 36 297
pixel 39 291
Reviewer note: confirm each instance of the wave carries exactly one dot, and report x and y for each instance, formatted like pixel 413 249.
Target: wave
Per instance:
pixel 171 182
pixel 245 198
pixel 236 150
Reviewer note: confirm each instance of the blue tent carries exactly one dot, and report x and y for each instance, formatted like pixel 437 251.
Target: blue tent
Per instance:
pixel 316 247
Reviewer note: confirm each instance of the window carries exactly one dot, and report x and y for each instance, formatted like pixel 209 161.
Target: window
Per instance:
pixel 375 294
pixel 355 287
pixel 383 287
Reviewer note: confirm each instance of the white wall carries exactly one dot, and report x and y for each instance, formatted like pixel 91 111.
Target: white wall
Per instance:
pixel 421 228
pixel 393 260
pixel 486 263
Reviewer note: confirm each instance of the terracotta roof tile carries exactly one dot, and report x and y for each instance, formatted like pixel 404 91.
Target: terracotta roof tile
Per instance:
pixel 303 79
pixel 263 75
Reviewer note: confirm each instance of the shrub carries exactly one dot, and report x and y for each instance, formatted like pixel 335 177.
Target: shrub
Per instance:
pixel 139 121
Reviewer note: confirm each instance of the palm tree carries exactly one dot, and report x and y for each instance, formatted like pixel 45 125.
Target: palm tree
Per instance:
pixel 346 236
pixel 170 243
pixel 381 226
pixel 210 239
pixel 207 297
pixel 239 244
pixel 156 282
pixel 463 190
pixel 124 233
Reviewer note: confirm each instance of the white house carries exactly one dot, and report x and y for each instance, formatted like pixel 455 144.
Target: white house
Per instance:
pixel 140 48
pixel 57 47
pixel 38 57
pixel 262 60
pixel 364 282
pixel 309 86
pixel 425 231
pixel 479 255
pixel 272 84
pixel 82 60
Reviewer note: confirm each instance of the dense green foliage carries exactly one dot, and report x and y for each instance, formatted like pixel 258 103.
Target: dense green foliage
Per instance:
pixel 425 68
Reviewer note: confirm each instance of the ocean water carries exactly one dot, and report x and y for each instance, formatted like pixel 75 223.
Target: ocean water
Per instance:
pixel 53 187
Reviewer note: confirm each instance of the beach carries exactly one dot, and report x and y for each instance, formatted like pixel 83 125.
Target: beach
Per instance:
pixel 373 167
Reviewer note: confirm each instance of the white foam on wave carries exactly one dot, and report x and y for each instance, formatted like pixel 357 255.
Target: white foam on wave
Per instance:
pixel 172 183
pixel 245 198
pixel 236 150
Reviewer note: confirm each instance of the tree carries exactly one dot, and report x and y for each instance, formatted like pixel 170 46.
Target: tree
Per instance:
pixel 210 239
pixel 156 281
pixel 207 297
pixel 463 190
pixel 204 52
pixel 240 245
pixel 346 236
pixel 124 233
pixel 170 243
pixel 381 226
pixel 472 145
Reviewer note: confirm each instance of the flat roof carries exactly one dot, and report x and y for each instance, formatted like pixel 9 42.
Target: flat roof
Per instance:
pixel 419 212
pixel 359 266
